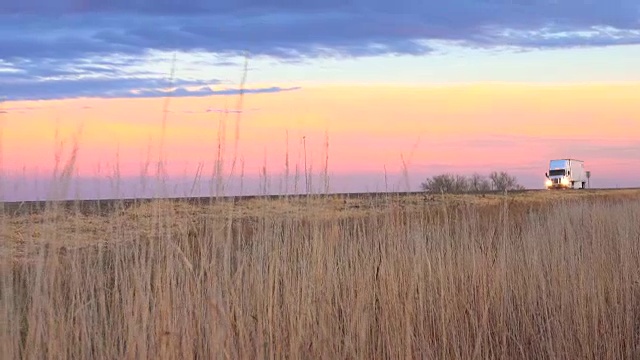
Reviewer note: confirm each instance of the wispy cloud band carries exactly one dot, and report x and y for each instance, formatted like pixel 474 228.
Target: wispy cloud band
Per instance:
pixel 61 38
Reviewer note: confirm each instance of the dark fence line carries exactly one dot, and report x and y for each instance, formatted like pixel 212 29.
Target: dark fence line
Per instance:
pixel 105 206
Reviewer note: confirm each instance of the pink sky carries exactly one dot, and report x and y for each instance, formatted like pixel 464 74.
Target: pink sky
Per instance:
pixel 463 128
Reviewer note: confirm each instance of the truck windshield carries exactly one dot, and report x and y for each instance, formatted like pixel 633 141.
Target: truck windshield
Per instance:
pixel 557 172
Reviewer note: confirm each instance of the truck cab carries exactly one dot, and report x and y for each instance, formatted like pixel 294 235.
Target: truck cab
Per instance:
pixel 566 174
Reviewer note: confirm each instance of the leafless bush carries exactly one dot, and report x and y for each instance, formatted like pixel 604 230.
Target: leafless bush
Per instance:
pixel 502 181
pixel 479 183
pixel 476 183
pixel 446 183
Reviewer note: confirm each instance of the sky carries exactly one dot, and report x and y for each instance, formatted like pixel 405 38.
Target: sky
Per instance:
pixel 370 95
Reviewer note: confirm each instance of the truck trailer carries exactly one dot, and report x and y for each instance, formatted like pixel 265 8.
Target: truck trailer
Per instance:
pixel 566 174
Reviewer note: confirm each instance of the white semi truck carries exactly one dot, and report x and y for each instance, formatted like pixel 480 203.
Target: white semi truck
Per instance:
pixel 566 174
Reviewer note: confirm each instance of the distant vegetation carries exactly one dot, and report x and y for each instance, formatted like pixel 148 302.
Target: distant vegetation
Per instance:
pixel 476 183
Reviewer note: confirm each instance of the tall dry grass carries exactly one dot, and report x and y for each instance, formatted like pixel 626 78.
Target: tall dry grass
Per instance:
pixel 513 281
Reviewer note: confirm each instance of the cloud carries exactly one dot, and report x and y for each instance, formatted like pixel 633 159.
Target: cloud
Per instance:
pixel 54 79
pixel 614 150
pixel 28 87
pixel 20 110
pixel 307 28
pixel 218 110
pixel 62 37
pixel 119 88
pixel 581 148
pixel 206 91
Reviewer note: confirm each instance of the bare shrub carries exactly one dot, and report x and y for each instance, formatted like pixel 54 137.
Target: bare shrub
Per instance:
pixel 476 183
pixel 502 181
pixel 446 183
pixel 479 183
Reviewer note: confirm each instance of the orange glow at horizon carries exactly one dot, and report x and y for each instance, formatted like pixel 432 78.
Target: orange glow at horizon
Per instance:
pixel 369 128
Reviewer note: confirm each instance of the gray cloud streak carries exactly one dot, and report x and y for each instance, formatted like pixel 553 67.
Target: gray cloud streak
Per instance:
pixel 38 37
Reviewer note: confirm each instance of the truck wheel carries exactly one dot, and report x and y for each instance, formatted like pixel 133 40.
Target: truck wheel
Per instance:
pixel 584 185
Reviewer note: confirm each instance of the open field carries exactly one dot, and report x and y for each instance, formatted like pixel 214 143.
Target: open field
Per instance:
pixel 537 274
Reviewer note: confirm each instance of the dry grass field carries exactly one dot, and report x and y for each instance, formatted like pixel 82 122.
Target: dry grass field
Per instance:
pixel 535 275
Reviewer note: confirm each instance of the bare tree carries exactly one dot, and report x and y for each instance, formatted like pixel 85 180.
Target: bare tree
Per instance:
pixel 502 181
pixel 446 183
pixel 443 183
pixel 479 183
pixel 458 184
